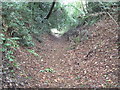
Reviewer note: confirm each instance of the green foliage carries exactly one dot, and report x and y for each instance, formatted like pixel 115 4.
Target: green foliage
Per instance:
pixel 26 18
pixel 67 16
pixel 33 52
pixel 8 47
pixel 77 39
pixel 77 78
pixel 10 43
pixel 101 6
pixel 47 70
pixel 19 21
pixel 1 38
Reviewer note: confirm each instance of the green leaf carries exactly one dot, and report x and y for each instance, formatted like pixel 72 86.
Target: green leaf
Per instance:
pixel 2 49
pixel 12 71
pixel 49 70
pixel 33 52
pixel 78 78
pixel 42 70
pixel 2 34
pixel 15 38
pixel 10 52
pixel 10 59
pixel 7 44
pixel 1 42
pixel 15 64
pixel 2 38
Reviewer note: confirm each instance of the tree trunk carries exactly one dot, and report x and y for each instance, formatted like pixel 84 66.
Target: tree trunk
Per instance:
pixel 48 15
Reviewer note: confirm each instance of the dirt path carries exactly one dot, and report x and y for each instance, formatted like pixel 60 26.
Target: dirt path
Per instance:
pixel 93 63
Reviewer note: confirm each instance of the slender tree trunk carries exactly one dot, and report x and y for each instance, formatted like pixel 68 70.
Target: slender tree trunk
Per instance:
pixel 50 12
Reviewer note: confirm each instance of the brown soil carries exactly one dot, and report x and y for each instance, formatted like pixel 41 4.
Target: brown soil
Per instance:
pixel 92 63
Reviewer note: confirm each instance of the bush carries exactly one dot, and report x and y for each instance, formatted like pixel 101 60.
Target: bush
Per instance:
pixel 18 19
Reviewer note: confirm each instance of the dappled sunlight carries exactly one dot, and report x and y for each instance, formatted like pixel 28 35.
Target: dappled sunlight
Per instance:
pixel 66 2
pixel 55 32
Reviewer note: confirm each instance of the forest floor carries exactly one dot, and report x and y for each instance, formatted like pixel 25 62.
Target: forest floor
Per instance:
pixel 92 63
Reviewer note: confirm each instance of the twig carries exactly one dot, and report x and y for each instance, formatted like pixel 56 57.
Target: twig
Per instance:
pixel 91 51
pixel 112 19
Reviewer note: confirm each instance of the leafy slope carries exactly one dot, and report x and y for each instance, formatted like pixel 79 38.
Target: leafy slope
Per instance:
pixel 93 63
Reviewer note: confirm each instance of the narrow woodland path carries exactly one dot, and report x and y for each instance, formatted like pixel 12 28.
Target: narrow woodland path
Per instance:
pixel 93 63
